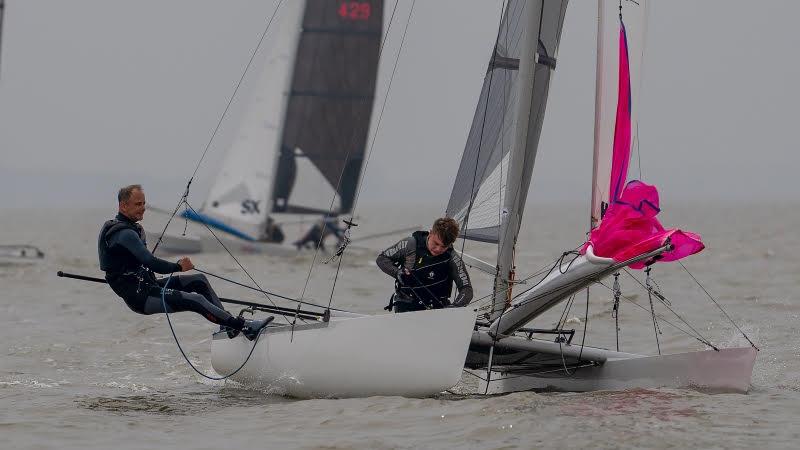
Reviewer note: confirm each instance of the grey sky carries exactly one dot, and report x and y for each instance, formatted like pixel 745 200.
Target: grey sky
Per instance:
pixel 99 93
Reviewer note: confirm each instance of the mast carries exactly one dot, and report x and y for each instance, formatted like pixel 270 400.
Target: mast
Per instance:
pixel 597 205
pixel 543 22
pixel 609 14
pixel 2 13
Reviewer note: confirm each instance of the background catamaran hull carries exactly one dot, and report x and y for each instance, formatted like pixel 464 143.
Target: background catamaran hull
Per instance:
pixel 413 354
pixel 727 370
pixel 195 244
pixel 20 254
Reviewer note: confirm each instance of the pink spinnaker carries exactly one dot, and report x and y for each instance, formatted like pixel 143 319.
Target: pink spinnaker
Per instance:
pixel 629 227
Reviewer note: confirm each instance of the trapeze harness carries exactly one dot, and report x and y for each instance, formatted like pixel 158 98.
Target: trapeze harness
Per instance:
pixel 127 277
pixel 429 285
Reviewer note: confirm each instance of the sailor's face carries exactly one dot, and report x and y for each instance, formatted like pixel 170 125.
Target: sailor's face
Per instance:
pixel 133 208
pixel 435 244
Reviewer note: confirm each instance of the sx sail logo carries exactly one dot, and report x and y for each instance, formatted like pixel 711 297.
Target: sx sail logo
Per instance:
pixel 250 206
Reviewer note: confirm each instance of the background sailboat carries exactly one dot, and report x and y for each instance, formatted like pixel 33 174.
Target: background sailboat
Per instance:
pixel 15 254
pixel 300 147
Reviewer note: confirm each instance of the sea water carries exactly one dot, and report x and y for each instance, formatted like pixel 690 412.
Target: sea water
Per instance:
pixel 79 370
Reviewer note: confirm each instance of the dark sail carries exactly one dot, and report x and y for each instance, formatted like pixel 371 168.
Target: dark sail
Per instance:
pixel 330 103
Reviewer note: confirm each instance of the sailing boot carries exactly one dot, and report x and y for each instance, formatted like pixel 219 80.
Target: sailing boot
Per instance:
pixel 253 327
pixel 234 328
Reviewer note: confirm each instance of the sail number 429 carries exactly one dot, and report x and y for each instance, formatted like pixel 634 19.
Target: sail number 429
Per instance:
pixel 355 10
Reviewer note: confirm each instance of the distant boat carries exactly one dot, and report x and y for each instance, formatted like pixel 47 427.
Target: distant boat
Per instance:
pixel 301 143
pixel 16 254
pixel 20 254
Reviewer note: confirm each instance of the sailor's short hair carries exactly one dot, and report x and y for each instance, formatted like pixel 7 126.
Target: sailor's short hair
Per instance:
pixel 447 230
pixel 125 193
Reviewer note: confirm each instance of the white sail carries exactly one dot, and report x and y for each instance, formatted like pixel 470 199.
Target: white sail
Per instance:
pixel 240 196
pixel 634 14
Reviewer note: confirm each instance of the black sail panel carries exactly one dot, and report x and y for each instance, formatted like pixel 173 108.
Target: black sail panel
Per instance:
pixel 330 104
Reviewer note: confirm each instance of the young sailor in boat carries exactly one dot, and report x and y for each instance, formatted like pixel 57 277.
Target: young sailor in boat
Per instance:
pixel 129 268
pixel 317 234
pixel 424 267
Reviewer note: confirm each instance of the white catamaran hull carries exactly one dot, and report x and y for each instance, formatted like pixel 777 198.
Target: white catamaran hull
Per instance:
pixel 726 370
pixel 413 354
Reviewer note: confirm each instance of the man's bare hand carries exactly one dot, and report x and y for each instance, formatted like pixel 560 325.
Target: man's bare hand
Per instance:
pixel 186 264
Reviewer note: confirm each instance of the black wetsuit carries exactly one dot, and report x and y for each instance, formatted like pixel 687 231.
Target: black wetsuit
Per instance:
pixel 129 268
pixel 318 232
pixel 431 278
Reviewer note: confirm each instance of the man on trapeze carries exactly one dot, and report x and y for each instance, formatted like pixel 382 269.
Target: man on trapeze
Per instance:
pixel 315 236
pixel 129 268
pixel 424 267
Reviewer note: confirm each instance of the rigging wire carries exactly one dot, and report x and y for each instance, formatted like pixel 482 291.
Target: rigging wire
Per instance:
pixel 650 292
pixel 175 336
pixel 697 336
pixel 718 306
pixel 667 304
pixel 383 106
pixel 583 340
pixel 241 266
pixel 300 302
pixel 219 124
pixel 340 251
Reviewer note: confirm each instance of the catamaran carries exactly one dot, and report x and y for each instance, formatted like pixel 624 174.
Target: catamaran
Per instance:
pixel 300 145
pixel 504 354
pixel 339 354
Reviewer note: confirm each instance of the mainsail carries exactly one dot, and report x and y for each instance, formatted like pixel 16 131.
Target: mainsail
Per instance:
pixel 306 124
pixel 492 183
pixel 330 103
pixel 239 197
